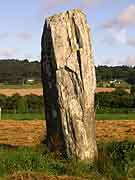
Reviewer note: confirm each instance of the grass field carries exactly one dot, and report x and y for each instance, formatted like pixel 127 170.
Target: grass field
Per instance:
pixel 24 116
pixel 115 116
pixel 115 162
pixel 37 159
pixel 35 116
pixel 33 132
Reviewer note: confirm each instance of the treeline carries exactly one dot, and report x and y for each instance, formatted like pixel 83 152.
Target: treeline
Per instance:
pixel 21 104
pixel 125 73
pixel 18 71
pixel 116 101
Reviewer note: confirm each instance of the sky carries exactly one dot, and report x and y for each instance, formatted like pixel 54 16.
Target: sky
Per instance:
pixel 112 24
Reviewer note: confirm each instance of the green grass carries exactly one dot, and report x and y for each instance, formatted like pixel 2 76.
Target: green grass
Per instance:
pixel 23 116
pixel 40 116
pixel 25 86
pixel 116 161
pixel 115 116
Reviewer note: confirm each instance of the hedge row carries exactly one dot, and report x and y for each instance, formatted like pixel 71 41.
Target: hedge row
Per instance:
pixel 21 104
pixel 118 100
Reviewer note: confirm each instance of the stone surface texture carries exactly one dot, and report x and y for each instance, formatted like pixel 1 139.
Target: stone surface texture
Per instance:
pixel 69 82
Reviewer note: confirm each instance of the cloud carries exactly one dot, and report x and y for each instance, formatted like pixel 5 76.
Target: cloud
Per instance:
pixel 109 62
pixel 120 36
pixel 130 61
pixel 115 36
pixel 20 35
pixel 131 42
pixel 24 35
pixel 31 57
pixel 126 18
pixel 7 53
pixel 3 35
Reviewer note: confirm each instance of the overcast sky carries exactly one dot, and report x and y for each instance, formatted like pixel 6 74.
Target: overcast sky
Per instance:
pixel 112 23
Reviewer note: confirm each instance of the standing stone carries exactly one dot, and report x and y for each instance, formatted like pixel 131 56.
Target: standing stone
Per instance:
pixel 68 76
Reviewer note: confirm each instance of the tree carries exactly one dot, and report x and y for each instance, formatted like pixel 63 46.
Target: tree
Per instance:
pixel 16 71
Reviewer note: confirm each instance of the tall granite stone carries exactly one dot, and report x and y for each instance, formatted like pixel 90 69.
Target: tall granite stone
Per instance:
pixel 68 76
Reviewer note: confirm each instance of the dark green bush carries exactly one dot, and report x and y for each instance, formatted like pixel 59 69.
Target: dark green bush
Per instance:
pixel 21 104
pixel 116 159
pixel 115 101
pixel 35 103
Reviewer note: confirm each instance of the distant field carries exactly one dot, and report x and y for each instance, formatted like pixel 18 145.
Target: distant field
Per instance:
pixel 35 116
pixel 22 92
pixel 115 116
pixel 25 86
pixel 34 132
pixel 24 116
pixel 36 89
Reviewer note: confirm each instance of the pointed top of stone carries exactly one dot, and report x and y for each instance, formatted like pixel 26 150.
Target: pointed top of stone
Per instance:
pixel 71 11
